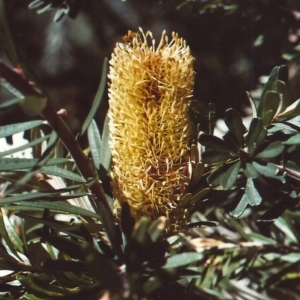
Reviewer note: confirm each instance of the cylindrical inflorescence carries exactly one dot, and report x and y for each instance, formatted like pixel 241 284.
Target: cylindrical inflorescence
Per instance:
pixel 149 91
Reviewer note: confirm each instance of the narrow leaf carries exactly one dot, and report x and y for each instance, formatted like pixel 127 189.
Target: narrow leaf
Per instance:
pixel 105 154
pixel 182 259
pixel 11 164
pixel 57 206
pixel 97 100
pixel 95 143
pixel 60 172
pixel 19 127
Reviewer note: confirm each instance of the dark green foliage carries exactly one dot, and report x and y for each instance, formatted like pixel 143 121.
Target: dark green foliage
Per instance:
pixel 234 234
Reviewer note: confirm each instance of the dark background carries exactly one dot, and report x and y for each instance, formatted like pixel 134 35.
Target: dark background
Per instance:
pixel 67 56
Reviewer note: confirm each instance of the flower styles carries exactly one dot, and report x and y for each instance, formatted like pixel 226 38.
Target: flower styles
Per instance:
pixel 150 129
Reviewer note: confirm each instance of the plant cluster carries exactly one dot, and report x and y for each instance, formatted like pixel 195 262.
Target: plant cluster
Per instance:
pixel 233 235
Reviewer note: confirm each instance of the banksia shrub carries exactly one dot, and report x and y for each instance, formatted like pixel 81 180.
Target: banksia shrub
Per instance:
pixel 149 91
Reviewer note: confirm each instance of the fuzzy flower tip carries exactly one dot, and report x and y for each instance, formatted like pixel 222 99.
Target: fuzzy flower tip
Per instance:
pixel 149 93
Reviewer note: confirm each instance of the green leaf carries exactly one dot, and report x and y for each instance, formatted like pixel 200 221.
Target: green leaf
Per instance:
pixel 202 224
pixel 182 259
pixel 284 95
pixel 231 139
pixel 198 196
pixel 268 170
pixel 216 156
pixel 12 164
pixel 254 131
pixel 57 206
pixel 98 99
pixel 140 232
pixel 294 140
pixel 235 124
pixel 39 196
pixel 40 287
pixel 250 172
pixel 252 104
pixel 184 201
pixel 213 142
pixel 95 143
pixel 253 195
pixel 278 73
pixel 11 102
pixel 13 236
pixel 230 176
pixel 156 229
pixel 238 211
pixel 105 154
pixel 197 173
pixel 292 110
pixel 272 150
pixel 60 172
pixel 216 176
pixel 270 106
pixel 19 127
pixel 5 235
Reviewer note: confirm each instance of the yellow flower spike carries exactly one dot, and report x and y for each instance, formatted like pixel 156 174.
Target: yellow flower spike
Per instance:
pixel 150 129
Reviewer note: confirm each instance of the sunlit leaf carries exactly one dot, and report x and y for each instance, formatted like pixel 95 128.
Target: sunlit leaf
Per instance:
pixel 95 143
pixel 294 140
pixel 272 150
pixel 19 127
pixel 63 173
pixel 182 259
pixel 11 164
pixel 271 104
pixel 5 235
pixel 105 155
pixel 291 111
pixel 13 236
pixel 268 170
pixel 238 211
pixel 253 195
pixel 250 171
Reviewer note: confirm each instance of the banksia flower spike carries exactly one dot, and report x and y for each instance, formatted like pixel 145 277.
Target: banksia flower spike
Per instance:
pixel 150 129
